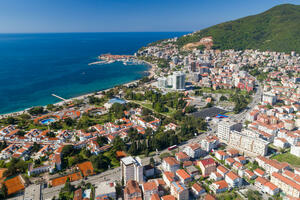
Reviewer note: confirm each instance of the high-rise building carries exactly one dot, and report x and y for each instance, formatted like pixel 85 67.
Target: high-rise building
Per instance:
pixel 178 80
pixel 269 98
pixel 225 127
pixel 132 169
pixel 162 82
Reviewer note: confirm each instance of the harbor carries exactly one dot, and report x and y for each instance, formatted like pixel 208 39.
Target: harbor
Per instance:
pixel 109 58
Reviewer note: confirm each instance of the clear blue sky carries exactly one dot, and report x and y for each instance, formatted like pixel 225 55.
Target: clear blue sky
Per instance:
pixel 23 16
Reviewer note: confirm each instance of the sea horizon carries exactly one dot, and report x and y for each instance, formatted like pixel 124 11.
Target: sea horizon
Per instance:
pixel 185 32
pixel 35 65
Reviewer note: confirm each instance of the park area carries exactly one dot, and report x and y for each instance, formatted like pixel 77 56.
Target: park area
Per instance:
pixel 289 158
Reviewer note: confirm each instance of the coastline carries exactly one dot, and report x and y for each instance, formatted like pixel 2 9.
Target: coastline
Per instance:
pixel 150 70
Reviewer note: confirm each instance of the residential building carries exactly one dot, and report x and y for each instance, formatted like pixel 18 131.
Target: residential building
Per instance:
pixel 260 182
pixel 194 150
pixel 221 155
pixel 183 176
pixel 225 127
pixel 287 185
pixel 207 166
pixel 168 177
pixel 219 186
pixel 209 143
pixel 259 172
pixel 132 190
pixel 271 165
pixel 181 156
pixel 170 164
pixel 271 189
pixel 149 188
pixel 178 80
pixel 197 190
pixel 249 174
pixel 269 98
pixel 281 142
pixel 295 149
pixel 179 190
pixel 132 169
pixel 248 144
pixel 233 179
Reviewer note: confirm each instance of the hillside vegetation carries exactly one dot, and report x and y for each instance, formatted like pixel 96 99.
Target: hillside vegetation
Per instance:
pixel 277 29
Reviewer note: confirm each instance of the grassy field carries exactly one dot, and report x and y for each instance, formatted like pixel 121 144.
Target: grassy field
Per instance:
pixel 289 158
pixel 148 104
pixel 221 91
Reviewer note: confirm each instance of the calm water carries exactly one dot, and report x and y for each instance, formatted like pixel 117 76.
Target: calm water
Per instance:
pixel 33 66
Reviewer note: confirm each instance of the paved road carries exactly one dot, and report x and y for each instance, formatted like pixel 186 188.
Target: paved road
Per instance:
pixel 109 175
pixel 115 174
pixel 241 117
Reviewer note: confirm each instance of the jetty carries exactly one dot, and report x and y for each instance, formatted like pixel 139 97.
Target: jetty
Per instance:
pixel 59 97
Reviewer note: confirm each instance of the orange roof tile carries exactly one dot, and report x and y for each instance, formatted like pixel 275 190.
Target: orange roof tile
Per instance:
pixel 271 186
pixel 222 184
pixel 197 187
pixel 171 161
pixel 232 175
pixel 183 174
pixel 149 186
pixel 286 180
pixel 261 180
pixel 62 180
pixel 86 168
pixel 168 197
pixel 14 185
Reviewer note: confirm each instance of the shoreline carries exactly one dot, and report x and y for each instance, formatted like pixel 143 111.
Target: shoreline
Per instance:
pixel 151 69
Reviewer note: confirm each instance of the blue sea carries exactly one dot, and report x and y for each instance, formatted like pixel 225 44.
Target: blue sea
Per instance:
pixel 34 66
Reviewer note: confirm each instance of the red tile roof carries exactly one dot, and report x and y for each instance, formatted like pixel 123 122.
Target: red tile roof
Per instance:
pixel 261 180
pixel 286 180
pixel 171 161
pixel 149 186
pixel 232 175
pixel 221 184
pixel 183 174
pixel 197 187
pixel 271 186
pixel 208 161
pixel 168 197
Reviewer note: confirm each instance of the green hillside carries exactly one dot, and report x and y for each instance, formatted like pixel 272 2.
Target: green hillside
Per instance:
pixel 277 29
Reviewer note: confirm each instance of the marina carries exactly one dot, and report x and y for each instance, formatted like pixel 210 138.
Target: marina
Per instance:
pixel 109 58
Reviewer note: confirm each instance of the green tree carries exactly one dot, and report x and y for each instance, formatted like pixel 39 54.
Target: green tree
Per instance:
pixel 3 191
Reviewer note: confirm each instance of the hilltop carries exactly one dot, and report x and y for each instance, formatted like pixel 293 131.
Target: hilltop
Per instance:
pixel 277 29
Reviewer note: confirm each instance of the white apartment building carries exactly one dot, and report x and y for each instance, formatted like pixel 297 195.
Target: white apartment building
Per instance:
pixel 248 144
pixel 178 80
pixel 288 186
pixel 295 150
pixel 132 169
pixel 179 190
pixel 162 82
pixel 225 127
pixel 270 98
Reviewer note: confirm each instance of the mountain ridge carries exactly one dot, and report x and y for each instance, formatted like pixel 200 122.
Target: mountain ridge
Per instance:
pixel 277 29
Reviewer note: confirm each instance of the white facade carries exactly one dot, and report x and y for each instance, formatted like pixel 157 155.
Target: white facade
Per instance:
pixel 248 144
pixel 295 150
pixel 178 82
pixel 132 169
pixel 162 82
pixel 224 129
pixel 269 98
